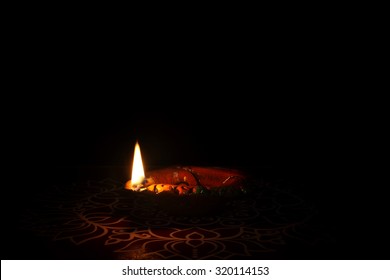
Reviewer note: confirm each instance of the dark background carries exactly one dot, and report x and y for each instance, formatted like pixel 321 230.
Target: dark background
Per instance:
pixel 289 99
pixel 284 112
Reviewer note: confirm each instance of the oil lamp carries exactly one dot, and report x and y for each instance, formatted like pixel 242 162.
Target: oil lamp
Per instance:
pixel 186 180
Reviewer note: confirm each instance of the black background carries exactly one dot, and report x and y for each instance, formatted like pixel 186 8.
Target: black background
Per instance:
pixel 69 115
pixel 284 98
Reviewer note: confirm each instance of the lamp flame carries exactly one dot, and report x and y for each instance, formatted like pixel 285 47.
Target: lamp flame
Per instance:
pixel 137 172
